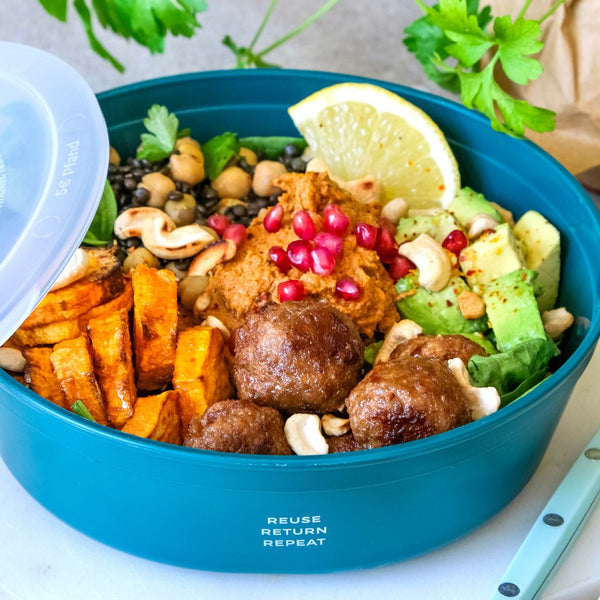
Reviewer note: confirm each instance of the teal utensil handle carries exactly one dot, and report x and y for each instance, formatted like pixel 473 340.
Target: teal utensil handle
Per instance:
pixel 555 528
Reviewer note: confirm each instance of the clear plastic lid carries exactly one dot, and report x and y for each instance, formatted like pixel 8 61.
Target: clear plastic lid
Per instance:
pixel 53 162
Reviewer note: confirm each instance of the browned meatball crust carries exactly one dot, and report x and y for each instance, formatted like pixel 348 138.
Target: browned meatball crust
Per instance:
pixel 297 356
pixel 405 399
pixel 238 426
pixel 441 347
pixel 342 443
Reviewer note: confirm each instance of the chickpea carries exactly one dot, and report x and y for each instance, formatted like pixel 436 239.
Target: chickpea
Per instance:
pixel 186 140
pixel 140 256
pixel 113 157
pixel 192 150
pixel 159 186
pixel 265 172
pixel 249 155
pixel 190 288
pixel 182 211
pixel 233 182
pixel 187 168
pixel 225 203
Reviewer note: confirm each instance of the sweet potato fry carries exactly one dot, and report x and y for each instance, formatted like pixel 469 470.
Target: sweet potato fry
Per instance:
pixel 156 418
pixel 200 376
pixel 102 282
pixel 57 331
pixel 73 366
pixel 40 377
pixel 154 326
pixel 111 345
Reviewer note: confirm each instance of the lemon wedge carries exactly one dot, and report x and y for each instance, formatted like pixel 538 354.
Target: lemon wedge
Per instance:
pixel 361 129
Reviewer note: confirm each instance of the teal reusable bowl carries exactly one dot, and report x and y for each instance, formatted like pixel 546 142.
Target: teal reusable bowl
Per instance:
pixel 226 512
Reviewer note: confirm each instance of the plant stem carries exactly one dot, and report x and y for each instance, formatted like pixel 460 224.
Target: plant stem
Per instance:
pixel 551 11
pixel 524 9
pixel 263 23
pixel 316 15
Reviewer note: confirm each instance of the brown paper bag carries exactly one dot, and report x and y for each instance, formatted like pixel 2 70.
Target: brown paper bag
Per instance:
pixel 570 83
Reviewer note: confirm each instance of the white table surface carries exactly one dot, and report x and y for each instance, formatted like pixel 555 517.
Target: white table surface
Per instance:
pixel 41 558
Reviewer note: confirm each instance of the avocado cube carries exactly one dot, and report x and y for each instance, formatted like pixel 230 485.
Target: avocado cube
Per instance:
pixel 436 312
pixel 437 226
pixel 493 254
pixel 512 309
pixel 542 241
pixel 467 204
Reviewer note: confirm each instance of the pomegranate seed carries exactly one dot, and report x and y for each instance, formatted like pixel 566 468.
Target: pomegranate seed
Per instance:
pixel 400 267
pixel 279 256
pixel 322 262
pixel 348 289
pixel 333 243
pixel 335 220
pixel 385 223
pixel 218 222
pixel 455 242
pixel 303 225
pixel 386 246
pixel 273 218
pixel 298 253
pixel 366 235
pixel 290 290
pixel 236 233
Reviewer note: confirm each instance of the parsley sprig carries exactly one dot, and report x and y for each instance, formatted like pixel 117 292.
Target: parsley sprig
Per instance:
pixel 451 40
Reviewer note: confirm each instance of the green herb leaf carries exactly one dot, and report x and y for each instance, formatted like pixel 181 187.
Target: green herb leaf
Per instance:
pixel 455 31
pixel 245 58
pixel 272 146
pixel 79 408
pixel 56 8
pixel 101 229
pixel 218 151
pixel 160 142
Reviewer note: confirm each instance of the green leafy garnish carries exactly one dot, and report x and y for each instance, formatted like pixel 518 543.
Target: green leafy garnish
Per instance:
pixel 272 146
pixel 163 128
pixel 450 42
pixel 79 408
pixel 218 151
pixel 101 228
pixel 371 353
pixel 147 22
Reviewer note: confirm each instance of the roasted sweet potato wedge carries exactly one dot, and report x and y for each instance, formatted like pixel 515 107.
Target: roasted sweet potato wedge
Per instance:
pixel 111 346
pixel 201 375
pixel 40 377
pixel 156 418
pixel 52 333
pixel 74 368
pixel 154 326
pixel 102 282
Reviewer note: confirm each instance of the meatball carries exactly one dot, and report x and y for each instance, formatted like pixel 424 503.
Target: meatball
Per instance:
pixel 238 426
pixel 297 357
pixel 342 443
pixel 406 399
pixel 441 347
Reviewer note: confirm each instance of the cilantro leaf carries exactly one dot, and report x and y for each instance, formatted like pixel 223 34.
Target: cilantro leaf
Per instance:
pixel 101 228
pixel 163 127
pixel 272 146
pixel 218 151
pixel 56 8
pixel 464 39
pixel 79 408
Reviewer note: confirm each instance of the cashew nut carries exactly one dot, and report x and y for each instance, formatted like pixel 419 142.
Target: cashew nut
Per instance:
pixel 182 242
pixel 190 288
pixel 395 210
pixel 75 269
pixel 212 321
pixel 215 253
pixel 401 331
pixel 333 425
pixel 557 321
pixel 201 304
pixel 483 401
pixel 431 260
pixel 366 190
pixel 480 223
pixel 303 433
pixel 12 360
pixel 131 221
pixel 504 213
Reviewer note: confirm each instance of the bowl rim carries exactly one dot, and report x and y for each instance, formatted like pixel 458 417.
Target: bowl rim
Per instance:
pixel 386 454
